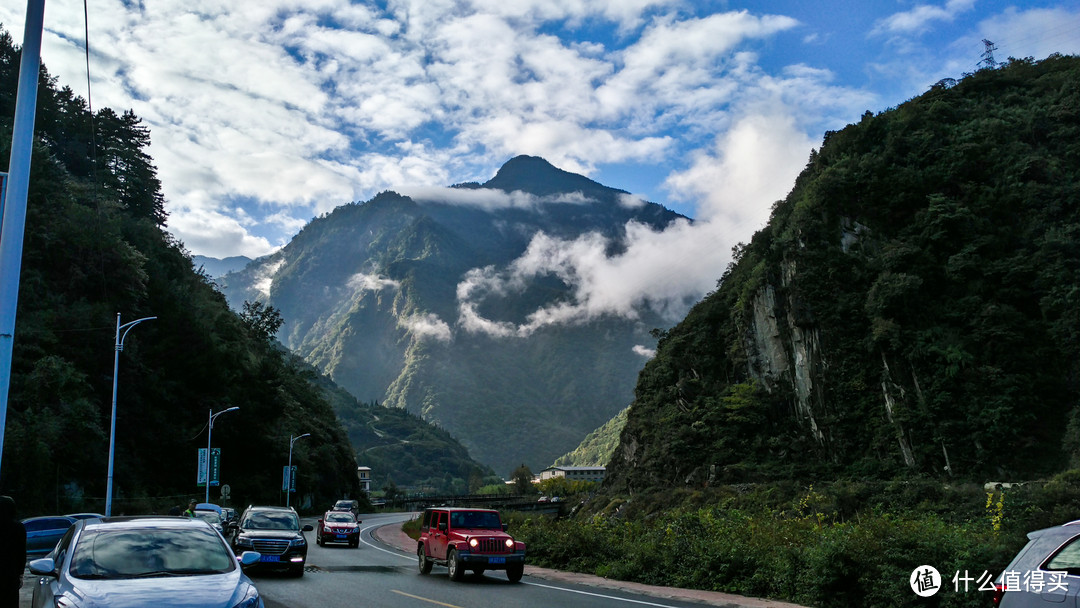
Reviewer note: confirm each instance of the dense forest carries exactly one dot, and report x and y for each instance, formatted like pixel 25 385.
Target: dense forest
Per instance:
pixel 912 307
pixel 95 246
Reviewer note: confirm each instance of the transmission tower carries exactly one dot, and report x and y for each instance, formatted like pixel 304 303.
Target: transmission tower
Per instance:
pixel 988 54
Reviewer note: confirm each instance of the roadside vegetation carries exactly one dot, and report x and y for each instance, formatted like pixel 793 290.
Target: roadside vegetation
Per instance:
pixel 843 544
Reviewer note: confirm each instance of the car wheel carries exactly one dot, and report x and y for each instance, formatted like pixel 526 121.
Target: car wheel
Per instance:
pixel 422 561
pixel 318 539
pixel 514 572
pixel 454 565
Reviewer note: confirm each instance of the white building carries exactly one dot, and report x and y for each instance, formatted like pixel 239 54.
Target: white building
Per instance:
pixel 595 474
pixel 364 474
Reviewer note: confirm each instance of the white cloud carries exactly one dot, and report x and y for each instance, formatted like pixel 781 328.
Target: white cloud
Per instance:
pixel 922 17
pixel 644 351
pixel 371 282
pixel 264 280
pixel 491 199
pixel 427 326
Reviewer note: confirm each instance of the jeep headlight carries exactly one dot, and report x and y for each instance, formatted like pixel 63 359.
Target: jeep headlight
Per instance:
pixel 509 543
pixel 473 543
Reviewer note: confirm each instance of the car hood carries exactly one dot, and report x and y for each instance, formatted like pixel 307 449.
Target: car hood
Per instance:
pixel 274 534
pixel 210 591
pixel 481 532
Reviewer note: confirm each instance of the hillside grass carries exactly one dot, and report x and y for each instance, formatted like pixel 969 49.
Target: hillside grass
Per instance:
pixel 844 544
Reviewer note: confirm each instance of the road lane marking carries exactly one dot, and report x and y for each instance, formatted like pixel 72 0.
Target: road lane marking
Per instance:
pixel 394 553
pixel 424 599
pixel 600 595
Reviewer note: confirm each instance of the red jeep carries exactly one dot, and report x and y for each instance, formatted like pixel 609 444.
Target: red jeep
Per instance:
pixel 468 539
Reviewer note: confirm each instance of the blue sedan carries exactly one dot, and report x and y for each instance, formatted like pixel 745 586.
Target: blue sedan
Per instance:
pixel 125 562
pixel 42 533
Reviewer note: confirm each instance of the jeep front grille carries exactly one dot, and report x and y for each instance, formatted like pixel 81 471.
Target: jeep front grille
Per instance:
pixel 270 546
pixel 492 545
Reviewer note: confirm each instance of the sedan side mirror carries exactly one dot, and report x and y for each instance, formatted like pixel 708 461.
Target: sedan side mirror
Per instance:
pixel 43 567
pixel 308 528
pixel 249 557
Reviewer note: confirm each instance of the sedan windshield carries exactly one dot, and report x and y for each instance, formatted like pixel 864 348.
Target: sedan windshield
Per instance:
pixel 272 521
pixel 148 552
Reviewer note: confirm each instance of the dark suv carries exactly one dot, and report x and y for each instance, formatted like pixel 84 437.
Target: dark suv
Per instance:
pixel 276 534
pixel 468 539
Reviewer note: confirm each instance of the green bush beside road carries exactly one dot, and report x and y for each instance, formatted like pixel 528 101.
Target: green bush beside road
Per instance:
pixel 848 544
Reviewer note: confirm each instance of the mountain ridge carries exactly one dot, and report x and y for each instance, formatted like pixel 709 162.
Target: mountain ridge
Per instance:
pixel 395 299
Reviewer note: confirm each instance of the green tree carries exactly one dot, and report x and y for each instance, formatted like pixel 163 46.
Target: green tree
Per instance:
pixel 262 319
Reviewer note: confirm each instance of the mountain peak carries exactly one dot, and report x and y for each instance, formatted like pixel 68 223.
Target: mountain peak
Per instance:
pixel 535 175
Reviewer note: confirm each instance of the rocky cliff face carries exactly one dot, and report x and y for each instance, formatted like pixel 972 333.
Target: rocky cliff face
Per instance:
pixel 909 308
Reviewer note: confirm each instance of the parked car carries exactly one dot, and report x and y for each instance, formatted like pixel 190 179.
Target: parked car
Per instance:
pixel 84 515
pixel 468 539
pixel 211 517
pixel 42 533
pixel 128 562
pixel 338 527
pixel 274 532
pixel 1046 571
pixel 352 506
pixel 230 516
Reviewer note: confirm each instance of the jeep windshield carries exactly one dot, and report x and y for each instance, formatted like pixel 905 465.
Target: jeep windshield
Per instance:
pixel 475 520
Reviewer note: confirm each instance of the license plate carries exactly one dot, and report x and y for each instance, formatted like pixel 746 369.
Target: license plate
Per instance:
pixel 269 558
pixel 343 536
pixel 496 560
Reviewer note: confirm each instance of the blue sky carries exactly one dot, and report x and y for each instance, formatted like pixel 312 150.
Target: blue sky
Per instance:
pixel 266 114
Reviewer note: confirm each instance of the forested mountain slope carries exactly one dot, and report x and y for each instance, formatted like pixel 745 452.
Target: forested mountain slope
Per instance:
pixel 95 245
pixel 372 294
pixel 912 306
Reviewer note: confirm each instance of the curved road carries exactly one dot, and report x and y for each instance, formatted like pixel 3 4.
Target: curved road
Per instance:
pixel 380 575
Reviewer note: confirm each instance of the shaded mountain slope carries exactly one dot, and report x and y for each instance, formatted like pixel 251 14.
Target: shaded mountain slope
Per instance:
pixel 912 306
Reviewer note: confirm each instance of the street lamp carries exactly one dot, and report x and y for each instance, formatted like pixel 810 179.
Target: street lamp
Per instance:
pixel 112 427
pixel 288 490
pixel 209 432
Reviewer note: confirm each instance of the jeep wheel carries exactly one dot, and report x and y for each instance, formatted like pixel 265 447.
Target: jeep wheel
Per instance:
pixel 422 561
pixel 514 572
pixel 454 565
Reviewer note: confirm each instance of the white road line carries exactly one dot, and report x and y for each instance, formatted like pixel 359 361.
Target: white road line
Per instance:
pixel 600 595
pixel 394 553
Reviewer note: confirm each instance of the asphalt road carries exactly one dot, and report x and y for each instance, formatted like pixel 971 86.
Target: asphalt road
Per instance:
pixel 382 572
pixel 377 574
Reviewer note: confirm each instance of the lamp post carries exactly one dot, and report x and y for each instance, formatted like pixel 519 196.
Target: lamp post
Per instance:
pixel 119 346
pixel 209 432
pixel 288 491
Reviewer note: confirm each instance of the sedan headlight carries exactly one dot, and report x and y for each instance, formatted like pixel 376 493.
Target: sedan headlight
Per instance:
pixel 299 542
pixel 243 541
pixel 251 598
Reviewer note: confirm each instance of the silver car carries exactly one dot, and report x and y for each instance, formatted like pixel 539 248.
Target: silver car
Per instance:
pixel 1046 572
pixel 124 562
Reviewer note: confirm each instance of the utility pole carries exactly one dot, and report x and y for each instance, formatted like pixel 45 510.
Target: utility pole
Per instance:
pixel 13 222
